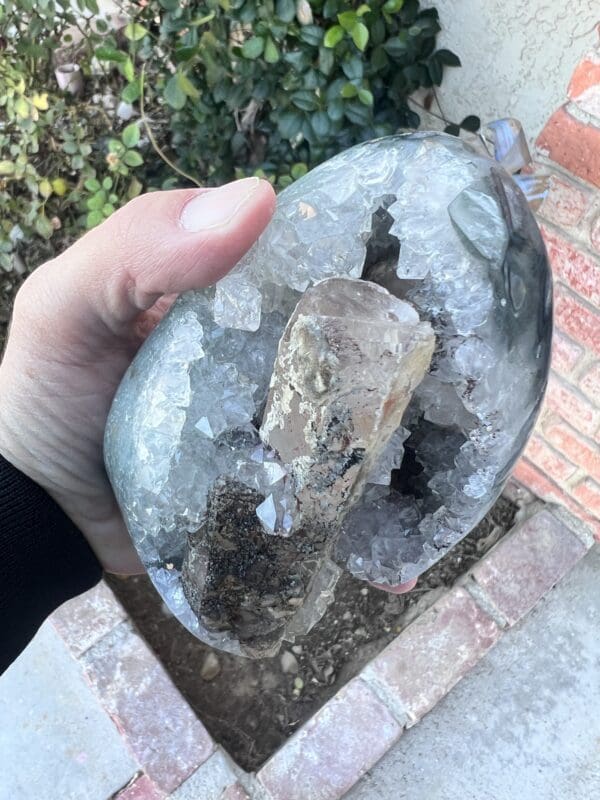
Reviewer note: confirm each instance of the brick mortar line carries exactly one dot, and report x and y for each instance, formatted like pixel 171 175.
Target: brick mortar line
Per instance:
pixel 575 479
pixel 557 487
pixel 578 528
pixel 580 472
pixel 588 359
pixel 253 787
pixel 588 440
pixel 393 704
pixel 484 602
pixel 585 117
pixel 541 158
pixel 576 244
pixel 573 388
pixel 78 656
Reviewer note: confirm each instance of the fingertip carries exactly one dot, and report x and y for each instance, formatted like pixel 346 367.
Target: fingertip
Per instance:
pixel 249 201
pixel 400 588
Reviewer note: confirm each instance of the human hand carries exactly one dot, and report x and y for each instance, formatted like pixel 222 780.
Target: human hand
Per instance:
pixel 77 323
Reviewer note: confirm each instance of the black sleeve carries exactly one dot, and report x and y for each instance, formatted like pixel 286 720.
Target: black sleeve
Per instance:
pixel 44 560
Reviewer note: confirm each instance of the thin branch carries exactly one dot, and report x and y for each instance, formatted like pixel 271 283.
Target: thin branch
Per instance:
pixel 153 141
pixel 446 121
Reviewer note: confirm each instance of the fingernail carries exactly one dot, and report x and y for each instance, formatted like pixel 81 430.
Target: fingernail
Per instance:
pixel 217 207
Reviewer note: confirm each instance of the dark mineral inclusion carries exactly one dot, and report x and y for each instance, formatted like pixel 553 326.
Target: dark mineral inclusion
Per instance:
pixel 244 532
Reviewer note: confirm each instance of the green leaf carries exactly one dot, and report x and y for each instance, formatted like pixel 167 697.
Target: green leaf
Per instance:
pixel 116 146
pixel 298 170
pixel 253 47
pixel 305 100
pixel 320 124
pixel 362 10
pixel 107 183
pixel 358 113
pixel 22 107
pixel 131 92
pixel 43 226
pixel 285 10
pixel 133 159
pixel 92 185
pixel 326 60
pixel 378 31
pixel 452 129
pixel 203 20
pixel 7 167
pixel 94 218
pixel 365 97
pixel 379 59
pixel 311 34
pixel 395 47
pixel 436 71
pixel 471 123
pixel 347 20
pixel 448 58
pixel 135 188
pixel 96 202
pixel 392 6
pixel 335 109
pixel 107 209
pixel 174 94
pixel 333 36
pixel 45 188
pixel 289 124
pixel 349 90
pixel 128 70
pixel 131 135
pixel 59 186
pixel 134 31
pixel 182 54
pixel 353 68
pixel 271 52
pixel 187 87
pixel 360 35
pixel 105 53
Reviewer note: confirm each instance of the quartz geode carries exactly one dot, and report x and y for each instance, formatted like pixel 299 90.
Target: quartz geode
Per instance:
pixel 353 394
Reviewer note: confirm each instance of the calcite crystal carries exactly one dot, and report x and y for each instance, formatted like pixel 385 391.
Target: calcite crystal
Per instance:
pixel 352 395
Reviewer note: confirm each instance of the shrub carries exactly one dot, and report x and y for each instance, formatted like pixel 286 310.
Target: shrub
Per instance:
pixel 192 92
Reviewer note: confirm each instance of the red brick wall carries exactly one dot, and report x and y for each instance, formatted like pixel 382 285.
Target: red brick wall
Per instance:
pixel 562 460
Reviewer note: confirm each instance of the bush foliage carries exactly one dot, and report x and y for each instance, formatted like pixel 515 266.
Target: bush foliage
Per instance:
pixel 176 93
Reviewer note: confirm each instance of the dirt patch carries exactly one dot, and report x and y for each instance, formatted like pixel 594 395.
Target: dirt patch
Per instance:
pixel 251 707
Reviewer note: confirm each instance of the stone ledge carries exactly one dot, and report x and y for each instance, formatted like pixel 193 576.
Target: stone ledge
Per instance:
pixel 521 569
pixel 334 749
pixel 435 652
pixel 351 732
pixel 159 727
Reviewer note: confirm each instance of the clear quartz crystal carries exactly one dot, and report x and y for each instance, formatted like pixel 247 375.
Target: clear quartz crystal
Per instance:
pixel 191 447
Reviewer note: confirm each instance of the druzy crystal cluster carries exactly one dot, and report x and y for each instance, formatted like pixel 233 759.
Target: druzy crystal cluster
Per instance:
pixel 352 395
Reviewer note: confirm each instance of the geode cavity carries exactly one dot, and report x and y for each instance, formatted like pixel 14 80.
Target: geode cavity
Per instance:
pixel 353 394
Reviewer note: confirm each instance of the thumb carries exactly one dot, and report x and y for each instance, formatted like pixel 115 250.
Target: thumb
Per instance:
pixel 158 244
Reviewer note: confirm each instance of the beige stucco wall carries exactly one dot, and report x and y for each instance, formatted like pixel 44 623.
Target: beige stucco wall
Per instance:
pixel 517 56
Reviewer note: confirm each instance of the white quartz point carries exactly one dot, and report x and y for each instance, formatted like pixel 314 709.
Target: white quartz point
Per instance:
pixel 348 362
